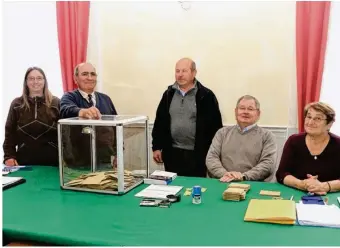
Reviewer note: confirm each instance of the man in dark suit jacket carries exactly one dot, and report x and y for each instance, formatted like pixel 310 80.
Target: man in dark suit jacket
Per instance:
pixel 187 119
pixel 85 102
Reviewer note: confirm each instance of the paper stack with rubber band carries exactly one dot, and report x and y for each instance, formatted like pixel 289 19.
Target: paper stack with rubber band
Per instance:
pixel 270 193
pixel 236 192
pixel 243 186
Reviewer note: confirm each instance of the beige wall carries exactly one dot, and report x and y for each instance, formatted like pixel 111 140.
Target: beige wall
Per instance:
pixel 240 48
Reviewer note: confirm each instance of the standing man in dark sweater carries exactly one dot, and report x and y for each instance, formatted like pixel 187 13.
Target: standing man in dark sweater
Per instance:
pixel 85 102
pixel 187 119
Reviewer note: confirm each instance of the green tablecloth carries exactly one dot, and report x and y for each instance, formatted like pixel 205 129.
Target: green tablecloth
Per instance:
pixel 39 210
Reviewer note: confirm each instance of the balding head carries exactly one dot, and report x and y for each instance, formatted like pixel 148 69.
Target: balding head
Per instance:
pixel 85 77
pixel 185 72
pixel 76 69
pixel 188 61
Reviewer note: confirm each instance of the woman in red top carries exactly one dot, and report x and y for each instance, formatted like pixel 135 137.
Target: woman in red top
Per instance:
pixel 311 161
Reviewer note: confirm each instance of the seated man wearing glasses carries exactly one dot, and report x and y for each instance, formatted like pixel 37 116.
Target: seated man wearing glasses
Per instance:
pixel 244 151
pixel 87 103
pixel 311 160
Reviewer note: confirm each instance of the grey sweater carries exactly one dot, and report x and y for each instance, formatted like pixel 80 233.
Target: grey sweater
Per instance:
pixel 183 119
pixel 252 153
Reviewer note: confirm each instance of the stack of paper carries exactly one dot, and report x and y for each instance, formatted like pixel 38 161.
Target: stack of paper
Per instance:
pixel 270 193
pixel 318 215
pixel 243 186
pixel 271 211
pixel 234 194
pixel 8 182
pixel 160 177
pixel 159 191
pixel 8 169
pixel 163 175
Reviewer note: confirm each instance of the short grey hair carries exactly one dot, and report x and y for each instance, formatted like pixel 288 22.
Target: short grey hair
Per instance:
pixel 249 97
pixel 76 69
pixel 193 66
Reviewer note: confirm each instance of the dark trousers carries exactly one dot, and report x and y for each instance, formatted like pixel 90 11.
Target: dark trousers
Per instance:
pixel 183 162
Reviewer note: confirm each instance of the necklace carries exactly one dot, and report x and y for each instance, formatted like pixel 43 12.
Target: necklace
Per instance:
pixel 322 143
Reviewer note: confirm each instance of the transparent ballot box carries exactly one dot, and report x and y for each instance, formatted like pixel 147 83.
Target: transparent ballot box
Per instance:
pixel 109 155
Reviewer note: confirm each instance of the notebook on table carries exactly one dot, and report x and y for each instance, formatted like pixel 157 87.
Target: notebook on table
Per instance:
pixel 8 182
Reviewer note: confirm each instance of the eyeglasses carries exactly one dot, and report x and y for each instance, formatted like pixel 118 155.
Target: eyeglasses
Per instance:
pixel 249 109
pixel 86 74
pixel 39 79
pixel 315 119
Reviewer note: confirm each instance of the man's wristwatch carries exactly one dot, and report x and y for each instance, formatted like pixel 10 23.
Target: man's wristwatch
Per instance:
pixel 244 178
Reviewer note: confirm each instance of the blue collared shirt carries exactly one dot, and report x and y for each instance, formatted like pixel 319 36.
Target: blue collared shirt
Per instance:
pixel 181 91
pixel 246 128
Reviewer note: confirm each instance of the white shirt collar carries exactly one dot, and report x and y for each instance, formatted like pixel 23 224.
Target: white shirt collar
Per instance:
pixel 86 95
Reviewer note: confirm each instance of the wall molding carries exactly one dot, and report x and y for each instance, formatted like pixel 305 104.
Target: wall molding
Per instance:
pixel 286 131
pixel 281 134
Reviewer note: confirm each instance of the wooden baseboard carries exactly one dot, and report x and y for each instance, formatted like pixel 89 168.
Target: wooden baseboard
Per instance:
pixel 25 243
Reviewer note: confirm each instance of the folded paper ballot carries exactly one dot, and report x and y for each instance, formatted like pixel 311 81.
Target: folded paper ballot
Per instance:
pixel 271 211
pixel 105 180
pixel 318 215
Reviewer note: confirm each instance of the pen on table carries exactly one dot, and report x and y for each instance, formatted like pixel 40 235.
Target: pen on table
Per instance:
pixel 291 198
